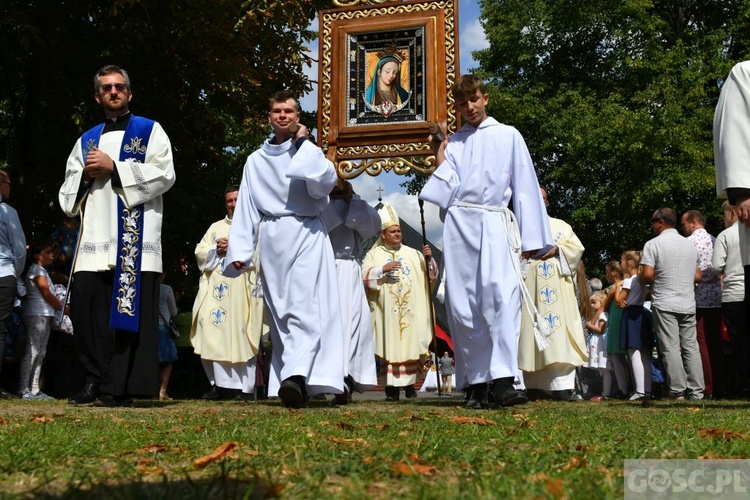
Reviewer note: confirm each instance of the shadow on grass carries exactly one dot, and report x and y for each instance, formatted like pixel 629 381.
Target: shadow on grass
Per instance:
pixel 224 486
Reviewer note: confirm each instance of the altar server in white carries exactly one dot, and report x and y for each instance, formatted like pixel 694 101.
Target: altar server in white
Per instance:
pixel 284 189
pixel 351 220
pixel 116 175
pixel 480 168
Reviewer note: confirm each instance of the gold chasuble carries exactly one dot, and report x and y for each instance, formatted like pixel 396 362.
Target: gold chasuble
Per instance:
pixel 227 318
pixel 399 307
pixel 551 284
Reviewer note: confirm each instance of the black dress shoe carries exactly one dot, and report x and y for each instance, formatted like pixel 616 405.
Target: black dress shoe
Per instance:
pixel 346 397
pixel 212 394
pixel 391 393
pixel 504 394
pixel 6 395
pixel 292 392
pixel 410 392
pixel 86 395
pixel 477 397
pixel 109 401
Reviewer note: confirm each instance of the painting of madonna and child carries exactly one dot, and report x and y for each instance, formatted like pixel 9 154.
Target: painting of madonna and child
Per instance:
pixel 386 78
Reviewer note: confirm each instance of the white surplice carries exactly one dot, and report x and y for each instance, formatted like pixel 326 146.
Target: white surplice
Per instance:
pixel 282 193
pixel 349 223
pixel 141 183
pixel 732 140
pixel 484 166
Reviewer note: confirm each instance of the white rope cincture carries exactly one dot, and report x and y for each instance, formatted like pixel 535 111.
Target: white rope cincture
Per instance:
pixel 542 329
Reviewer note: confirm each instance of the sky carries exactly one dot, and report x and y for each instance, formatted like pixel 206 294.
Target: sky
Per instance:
pixel 471 37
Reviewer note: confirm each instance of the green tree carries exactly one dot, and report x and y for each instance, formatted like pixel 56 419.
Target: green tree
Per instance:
pixel 615 100
pixel 202 69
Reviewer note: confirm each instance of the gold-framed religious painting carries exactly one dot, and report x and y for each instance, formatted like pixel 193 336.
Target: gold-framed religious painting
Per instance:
pixel 385 70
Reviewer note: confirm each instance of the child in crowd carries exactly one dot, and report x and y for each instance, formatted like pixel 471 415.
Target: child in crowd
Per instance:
pixel 616 355
pixel 636 334
pixel 597 327
pixel 39 309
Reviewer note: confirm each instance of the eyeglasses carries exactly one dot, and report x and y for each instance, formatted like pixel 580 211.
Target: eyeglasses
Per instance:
pixel 119 87
pixel 5 182
pixel 656 219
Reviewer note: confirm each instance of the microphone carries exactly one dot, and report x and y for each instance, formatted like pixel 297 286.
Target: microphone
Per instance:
pixel 436 132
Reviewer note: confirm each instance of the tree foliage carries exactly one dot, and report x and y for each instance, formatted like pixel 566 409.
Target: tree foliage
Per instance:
pixel 615 100
pixel 204 70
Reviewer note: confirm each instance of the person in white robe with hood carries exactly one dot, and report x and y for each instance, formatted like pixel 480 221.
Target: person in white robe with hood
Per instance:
pixel 284 189
pixel 351 220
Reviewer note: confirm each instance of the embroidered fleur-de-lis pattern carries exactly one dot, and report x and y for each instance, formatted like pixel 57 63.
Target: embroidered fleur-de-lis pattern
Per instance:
pixel 126 292
pixel 87 149
pixel 218 316
pixel 545 269
pixel 548 295
pixel 553 320
pixel 221 291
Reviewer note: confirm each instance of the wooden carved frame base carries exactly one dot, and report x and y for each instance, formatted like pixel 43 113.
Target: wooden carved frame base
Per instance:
pixel 357 140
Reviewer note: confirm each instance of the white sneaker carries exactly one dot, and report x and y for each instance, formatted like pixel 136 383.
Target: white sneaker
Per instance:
pixel 637 396
pixel 39 396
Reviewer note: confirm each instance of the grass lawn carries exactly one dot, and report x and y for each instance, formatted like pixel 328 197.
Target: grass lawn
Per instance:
pixel 429 448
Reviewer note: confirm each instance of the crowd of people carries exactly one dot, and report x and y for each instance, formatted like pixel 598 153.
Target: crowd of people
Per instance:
pixel 289 307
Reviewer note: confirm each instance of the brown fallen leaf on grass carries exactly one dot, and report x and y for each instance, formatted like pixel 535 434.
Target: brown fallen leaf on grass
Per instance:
pixel 405 469
pixel 716 433
pixel 575 463
pixel 471 420
pixel 345 425
pixel 554 487
pixel 153 448
pixel 415 466
pixel 347 441
pixel 3 421
pixel 219 453
pixel 148 467
pixel 41 419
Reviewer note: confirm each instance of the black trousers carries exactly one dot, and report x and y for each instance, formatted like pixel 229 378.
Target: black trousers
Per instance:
pixel 121 363
pixel 734 319
pixel 7 298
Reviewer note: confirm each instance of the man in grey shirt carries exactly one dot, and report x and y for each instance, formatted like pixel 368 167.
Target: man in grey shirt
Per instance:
pixel 12 260
pixel 670 263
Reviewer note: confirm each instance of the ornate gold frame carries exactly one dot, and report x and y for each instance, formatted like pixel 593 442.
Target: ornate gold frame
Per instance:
pixel 396 146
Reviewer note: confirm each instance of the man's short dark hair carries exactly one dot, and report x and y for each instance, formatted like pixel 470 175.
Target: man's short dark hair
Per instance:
pixel 108 70
pixel 283 96
pixel 466 85
pixel 231 189
pixel 667 215
pixel 696 215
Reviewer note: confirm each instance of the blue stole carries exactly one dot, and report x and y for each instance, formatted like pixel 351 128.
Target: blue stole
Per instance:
pixel 126 296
